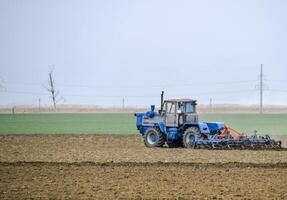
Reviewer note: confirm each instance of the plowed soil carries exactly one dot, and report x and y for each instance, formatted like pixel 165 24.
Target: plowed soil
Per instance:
pixel 120 167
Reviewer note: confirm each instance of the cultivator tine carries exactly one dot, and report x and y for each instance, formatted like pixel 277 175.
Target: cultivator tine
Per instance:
pixel 231 139
pixel 236 141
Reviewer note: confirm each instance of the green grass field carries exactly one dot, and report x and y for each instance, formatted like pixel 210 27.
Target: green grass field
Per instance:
pixel 273 124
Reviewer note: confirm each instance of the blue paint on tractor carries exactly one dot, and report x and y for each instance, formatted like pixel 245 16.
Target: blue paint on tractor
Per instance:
pixel 173 134
pixel 214 127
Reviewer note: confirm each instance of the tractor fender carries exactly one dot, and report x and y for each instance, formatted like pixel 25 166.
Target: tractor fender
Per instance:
pixel 203 128
pixel 161 126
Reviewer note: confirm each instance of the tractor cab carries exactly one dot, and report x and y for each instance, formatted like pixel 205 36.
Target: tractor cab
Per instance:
pixel 175 112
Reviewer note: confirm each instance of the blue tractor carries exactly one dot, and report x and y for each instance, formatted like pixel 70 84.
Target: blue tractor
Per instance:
pixel 176 124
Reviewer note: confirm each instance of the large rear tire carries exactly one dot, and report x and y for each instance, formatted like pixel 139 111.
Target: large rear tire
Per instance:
pixel 153 137
pixel 190 136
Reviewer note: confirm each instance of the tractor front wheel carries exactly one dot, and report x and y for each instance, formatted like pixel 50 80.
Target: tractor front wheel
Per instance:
pixel 190 136
pixel 154 138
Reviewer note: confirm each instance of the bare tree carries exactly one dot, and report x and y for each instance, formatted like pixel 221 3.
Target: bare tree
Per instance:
pixel 51 88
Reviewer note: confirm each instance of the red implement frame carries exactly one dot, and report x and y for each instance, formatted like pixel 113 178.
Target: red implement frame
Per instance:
pixel 228 131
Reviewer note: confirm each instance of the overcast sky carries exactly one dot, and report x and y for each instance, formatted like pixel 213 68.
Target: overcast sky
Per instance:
pixel 104 51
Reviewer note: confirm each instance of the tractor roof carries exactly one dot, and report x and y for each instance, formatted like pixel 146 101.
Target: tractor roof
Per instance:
pixel 181 100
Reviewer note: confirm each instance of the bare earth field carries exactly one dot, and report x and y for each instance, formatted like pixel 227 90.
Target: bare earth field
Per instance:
pixel 120 167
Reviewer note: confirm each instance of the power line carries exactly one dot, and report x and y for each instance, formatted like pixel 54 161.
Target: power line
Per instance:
pixel 131 96
pixel 23 92
pixel 141 86
pixel 272 80
pixel 277 90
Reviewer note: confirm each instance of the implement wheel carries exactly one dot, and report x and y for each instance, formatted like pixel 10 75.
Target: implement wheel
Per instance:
pixel 154 138
pixel 190 136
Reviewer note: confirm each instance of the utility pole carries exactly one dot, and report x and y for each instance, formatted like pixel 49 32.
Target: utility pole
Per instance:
pixel 39 104
pixel 13 110
pixel 261 89
pixel 210 104
pixel 123 103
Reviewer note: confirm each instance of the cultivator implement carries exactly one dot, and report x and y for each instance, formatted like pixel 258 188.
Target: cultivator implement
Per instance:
pixel 229 138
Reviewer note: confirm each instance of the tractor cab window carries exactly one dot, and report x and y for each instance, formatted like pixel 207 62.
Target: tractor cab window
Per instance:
pixel 189 108
pixel 170 107
pixel 186 107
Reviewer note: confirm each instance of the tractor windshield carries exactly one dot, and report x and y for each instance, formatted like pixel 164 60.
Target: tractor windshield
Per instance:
pixel 187 107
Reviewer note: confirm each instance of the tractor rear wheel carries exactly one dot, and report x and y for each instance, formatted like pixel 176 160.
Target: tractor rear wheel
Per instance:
pixel 190 136
pixel 153 137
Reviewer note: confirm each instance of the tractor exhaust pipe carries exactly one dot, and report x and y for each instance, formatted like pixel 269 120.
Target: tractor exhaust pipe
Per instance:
pixel 161 101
